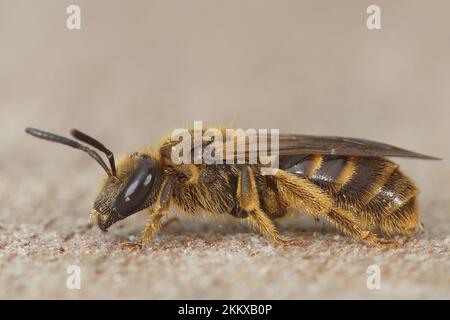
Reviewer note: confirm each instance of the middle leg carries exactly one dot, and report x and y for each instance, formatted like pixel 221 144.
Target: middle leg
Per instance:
pixel 248 199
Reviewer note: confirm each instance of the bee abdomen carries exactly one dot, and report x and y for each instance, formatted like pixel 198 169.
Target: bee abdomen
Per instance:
pixel 404 219
pixel 352 181
pixel 322 170
pixel 363 181
pixel 394 207
pixel 372 188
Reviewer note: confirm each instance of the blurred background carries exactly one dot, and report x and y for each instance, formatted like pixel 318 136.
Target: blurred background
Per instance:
pixel 138 69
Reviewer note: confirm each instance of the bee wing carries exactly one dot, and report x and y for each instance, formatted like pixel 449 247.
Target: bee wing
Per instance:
pixel 296 145
pixel 293 145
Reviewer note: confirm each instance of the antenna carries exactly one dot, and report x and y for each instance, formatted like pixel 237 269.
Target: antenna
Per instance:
pixel 96 144
pixel 68 142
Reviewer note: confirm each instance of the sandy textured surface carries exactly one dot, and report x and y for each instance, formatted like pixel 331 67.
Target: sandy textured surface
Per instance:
pixel 133 73
pixel 213 264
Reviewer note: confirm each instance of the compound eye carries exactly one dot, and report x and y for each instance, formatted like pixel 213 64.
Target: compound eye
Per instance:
pixel 132 197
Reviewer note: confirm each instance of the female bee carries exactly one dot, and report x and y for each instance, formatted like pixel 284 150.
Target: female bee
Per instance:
pixel 347 181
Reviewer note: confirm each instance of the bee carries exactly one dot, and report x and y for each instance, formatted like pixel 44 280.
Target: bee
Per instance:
pixel 347 181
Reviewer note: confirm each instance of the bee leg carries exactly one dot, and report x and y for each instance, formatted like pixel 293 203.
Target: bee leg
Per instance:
pixel 151 229
pixel 247 195
pixel 155 221
pixel 267 227
pixel 160 210
pixel 130 246
pixel 345 222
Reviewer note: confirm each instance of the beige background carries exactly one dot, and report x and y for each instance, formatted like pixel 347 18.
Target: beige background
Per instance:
pixel 138 69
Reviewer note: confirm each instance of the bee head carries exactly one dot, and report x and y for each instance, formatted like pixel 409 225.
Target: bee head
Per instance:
pixel 127 188
pixel 133 189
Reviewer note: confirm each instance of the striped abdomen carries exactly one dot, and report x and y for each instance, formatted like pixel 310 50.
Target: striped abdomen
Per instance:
pixel 373 189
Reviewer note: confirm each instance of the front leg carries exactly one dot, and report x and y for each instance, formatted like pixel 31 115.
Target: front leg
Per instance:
pixel 151 229
pixel 153 226
pixel 160 209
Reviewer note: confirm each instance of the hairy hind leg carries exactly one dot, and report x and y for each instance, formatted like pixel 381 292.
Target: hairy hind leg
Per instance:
pixel 347 224
pixel 302 194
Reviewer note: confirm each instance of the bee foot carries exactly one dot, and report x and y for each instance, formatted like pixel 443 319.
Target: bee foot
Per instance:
pixel 131 246
pixel 388 244
pixel 299 242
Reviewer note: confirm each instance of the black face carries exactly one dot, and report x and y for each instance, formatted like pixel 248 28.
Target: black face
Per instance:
pixel 136 190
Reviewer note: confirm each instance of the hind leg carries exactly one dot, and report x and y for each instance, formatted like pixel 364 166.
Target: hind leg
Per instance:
pixel 348 225
pixel 302 194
